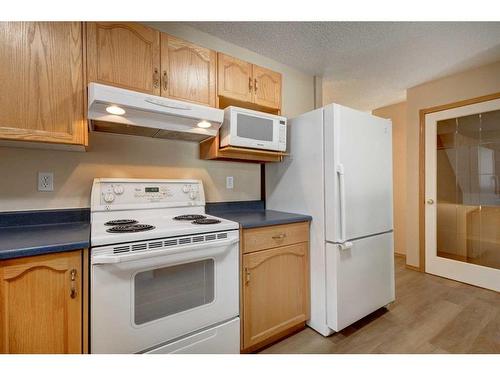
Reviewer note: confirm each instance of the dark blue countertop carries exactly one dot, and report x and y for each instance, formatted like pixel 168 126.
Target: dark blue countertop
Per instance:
pixel 42 232
pixel 252 214
pixel 28 233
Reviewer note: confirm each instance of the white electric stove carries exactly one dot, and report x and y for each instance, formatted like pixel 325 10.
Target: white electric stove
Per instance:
pixel 164 275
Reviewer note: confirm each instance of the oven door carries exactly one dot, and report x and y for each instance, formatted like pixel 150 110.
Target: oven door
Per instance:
pixel 144 299
pixel 254 131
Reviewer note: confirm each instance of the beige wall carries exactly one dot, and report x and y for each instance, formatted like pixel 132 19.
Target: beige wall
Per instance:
pixel 397 113
pixel 472 83
pixel 125 156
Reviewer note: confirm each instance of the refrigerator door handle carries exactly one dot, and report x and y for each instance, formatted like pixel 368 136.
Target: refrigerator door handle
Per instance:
pixel 345 245
pixel 340 174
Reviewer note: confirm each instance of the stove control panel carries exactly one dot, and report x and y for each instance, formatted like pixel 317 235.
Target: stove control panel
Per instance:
pixel 113 192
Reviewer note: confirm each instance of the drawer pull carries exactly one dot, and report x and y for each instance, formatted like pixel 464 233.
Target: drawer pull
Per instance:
pixel 279 236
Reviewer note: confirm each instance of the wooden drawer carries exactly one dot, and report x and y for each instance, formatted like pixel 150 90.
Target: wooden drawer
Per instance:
pixel 256 239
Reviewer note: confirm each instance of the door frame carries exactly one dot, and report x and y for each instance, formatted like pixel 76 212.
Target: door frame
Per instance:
pixel 421 189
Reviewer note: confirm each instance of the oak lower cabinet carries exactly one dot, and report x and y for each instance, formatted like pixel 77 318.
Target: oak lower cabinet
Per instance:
pixel 42 90
pixel 41 304
pixel 275 283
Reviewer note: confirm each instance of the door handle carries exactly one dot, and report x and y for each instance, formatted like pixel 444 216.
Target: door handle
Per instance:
pixel 72 291
pixel 156 78
pixel 250 84
pixel 130 257
pixel 430 201
pixel 165 80
pixel 340 174
pixel 247 275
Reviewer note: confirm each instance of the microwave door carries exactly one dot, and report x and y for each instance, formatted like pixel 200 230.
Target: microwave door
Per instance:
pixel 254 131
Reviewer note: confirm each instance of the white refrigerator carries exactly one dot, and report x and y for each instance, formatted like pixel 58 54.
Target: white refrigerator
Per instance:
pixel 339 171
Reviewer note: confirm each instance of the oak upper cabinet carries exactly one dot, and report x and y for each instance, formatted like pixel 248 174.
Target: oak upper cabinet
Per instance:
pixel 124 54
pixel 245 82
pixel 275 291
pixel 41 82
pixel 41 304
pixel 234 78
pixel 267 87
pixel 188 71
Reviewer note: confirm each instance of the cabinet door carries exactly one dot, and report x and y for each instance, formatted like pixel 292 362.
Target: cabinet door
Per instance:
pixel 40 304
pixel 267 87
pixel 275 291
pixel 234 78
pixel 187 71
pixel 41 82
pixel 124 54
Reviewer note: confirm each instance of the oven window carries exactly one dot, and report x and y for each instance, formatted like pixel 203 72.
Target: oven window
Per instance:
pixel 166 291
pixel 254 128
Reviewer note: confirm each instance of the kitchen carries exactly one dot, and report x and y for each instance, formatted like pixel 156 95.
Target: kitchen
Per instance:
pixel 172 136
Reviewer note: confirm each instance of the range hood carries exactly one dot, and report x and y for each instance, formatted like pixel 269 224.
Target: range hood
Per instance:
pixel 149 115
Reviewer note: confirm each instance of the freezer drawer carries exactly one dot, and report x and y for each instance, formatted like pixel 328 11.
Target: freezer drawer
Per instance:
pixel 359 280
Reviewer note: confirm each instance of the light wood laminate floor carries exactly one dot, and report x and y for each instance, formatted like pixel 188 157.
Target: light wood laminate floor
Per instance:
pixel 430 315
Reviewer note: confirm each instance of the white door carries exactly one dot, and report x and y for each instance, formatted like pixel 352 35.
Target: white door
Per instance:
pixel 462 193
pixel 358 174
pixel 143 299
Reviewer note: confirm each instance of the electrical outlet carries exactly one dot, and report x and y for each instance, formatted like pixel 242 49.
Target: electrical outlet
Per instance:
pixel 229 182
pixel 45 181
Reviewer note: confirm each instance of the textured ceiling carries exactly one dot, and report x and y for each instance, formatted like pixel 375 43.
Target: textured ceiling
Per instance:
pixel 367 64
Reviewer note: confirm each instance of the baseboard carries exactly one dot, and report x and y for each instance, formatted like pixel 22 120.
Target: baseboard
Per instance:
pixel 408 266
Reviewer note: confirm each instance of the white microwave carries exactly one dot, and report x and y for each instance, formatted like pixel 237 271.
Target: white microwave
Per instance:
pixel 252 129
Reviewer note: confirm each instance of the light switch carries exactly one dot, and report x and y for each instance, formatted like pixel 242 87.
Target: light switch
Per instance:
pixel 229 182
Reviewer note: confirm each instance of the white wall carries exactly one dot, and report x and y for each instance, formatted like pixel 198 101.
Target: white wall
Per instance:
pixel 124 156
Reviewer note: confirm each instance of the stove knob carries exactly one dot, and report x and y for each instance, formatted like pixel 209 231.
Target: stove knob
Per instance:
pixel 186 188
pixel 118 189
pixel 109 197
pixel 192 195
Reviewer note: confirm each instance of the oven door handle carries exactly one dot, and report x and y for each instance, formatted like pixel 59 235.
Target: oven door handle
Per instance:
pixel 129 257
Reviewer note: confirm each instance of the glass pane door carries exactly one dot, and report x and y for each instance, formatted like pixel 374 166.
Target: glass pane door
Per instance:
pixel 468 189
pixel 162 292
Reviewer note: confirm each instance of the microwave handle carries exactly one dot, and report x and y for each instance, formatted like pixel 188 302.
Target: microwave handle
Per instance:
pixel 129 257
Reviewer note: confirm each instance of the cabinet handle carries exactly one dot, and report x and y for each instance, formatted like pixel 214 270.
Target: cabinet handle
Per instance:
pixel 156 78
pixel 255 84
pixel 250 84
pixel 279 236
pixel 72 292
pixel 247 275
pixel 165 80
